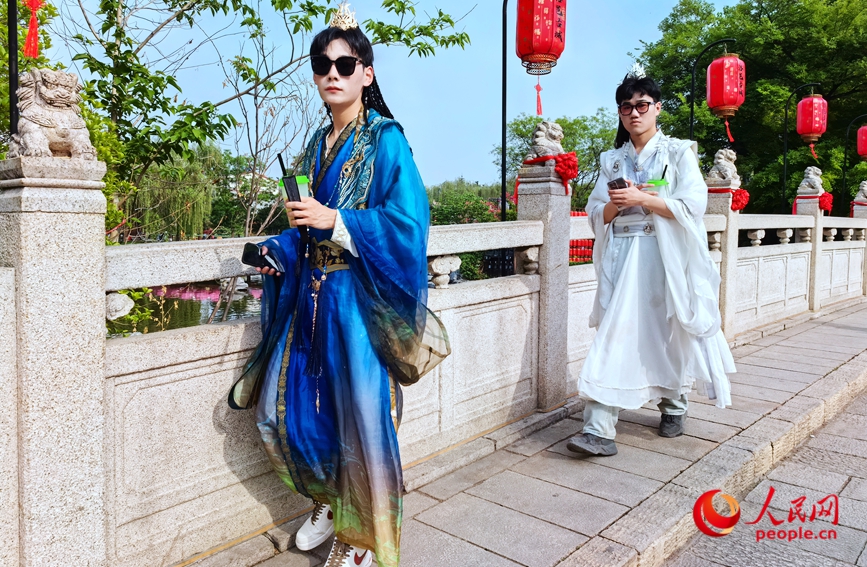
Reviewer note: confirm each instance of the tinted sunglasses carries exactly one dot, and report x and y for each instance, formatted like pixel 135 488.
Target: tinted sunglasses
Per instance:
pixel 642 107
pixel 345 65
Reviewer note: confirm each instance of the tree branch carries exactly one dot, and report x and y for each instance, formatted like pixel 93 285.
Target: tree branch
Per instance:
pixel 159 28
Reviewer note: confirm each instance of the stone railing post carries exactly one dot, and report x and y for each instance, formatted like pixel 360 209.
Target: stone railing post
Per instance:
pixel 810 207
pixel 541 196
pixel 721 204
pixel 860 212
pixel 8 423
pixel 52 225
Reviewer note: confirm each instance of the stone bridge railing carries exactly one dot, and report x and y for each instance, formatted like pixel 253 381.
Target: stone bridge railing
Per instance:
pixel 123 452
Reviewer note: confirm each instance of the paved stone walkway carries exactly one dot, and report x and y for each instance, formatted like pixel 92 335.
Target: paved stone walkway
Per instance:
pixel 533 503
pixel 833 461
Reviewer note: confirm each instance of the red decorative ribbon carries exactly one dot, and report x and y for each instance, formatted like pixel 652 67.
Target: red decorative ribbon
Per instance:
pixel 826 201
pixel 729 132
pixel 740 197
pixel 852 207
pixel 31 44
pixel 813 150
pixel 538 88
pixel 566 166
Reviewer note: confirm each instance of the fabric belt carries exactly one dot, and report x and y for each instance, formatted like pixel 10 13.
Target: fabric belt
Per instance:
pixel 327 254
pixel 628 229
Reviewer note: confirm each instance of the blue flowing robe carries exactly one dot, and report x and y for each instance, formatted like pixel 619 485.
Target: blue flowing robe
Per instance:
pixel 346 453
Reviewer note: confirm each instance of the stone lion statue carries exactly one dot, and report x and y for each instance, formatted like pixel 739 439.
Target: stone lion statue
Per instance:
pixel 547 138
pixel 724 173
pixel 812 183
pixel 50 124
pixel 862 192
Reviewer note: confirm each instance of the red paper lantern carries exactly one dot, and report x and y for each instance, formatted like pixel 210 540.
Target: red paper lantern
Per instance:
pixel 812 118
pixel 541 34
pixel 862 142
pixel 726 87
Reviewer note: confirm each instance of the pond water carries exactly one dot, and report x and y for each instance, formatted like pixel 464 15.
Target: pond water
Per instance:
pixel 188 305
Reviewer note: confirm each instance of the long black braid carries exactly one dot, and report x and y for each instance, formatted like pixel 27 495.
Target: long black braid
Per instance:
pixel 371 97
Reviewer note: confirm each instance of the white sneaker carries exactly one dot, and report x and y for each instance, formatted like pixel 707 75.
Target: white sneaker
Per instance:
pixel 345 555
pixel 316 529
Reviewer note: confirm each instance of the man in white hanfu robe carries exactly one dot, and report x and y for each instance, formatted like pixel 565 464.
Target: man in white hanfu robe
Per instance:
pixel 656 310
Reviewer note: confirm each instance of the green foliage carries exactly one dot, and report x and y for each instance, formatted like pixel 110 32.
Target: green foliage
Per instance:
pixel 587 136
pixel 489 191
pixel 471 266
pixel 784 45
pixel 139 315
pixel 109 149
pixel 460 207
pixel 238 208
pixel 458 202
pixel 45 15
pixel 174 199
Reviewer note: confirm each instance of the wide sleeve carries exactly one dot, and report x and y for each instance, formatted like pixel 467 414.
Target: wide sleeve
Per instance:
pixel 390 236
pixel 279 296
pixel 692 282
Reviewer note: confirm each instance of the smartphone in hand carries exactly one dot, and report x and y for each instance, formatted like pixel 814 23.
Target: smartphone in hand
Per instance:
pixel 253 256
pixel 618 183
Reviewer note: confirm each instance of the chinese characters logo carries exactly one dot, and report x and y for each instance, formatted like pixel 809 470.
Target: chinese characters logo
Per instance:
pixel 714 524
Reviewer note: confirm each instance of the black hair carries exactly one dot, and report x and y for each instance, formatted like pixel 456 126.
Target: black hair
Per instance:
pixel 371 97
pixel 628 89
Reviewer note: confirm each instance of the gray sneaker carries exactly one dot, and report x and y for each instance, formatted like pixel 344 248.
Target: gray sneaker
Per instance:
pixel 671 425
pixel 589 444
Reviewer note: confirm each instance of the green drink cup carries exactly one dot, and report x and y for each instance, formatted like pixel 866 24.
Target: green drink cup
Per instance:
pixel 657 184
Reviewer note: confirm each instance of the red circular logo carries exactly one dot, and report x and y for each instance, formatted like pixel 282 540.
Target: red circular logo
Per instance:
pixel 706 518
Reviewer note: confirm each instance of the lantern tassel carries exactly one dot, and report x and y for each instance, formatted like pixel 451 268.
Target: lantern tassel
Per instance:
pixel 729 132
pixel 31 44
pixel 813 149
pixel 538 97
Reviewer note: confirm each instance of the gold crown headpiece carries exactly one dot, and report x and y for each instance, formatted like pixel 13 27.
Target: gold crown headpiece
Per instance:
pixel 343 18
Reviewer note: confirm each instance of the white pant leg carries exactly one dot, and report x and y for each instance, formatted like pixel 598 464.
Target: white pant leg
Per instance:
pixel 673 407
pixel 600 419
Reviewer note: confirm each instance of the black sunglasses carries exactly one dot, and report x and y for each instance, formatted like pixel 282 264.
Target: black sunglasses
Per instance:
pixel 345 65
pixel 642 107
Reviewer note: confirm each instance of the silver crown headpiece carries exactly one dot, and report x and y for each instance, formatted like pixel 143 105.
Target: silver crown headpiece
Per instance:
pixel 343 18
pixel 637 71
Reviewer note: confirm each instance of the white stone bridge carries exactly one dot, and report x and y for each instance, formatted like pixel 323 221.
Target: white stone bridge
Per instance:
pixel 122 452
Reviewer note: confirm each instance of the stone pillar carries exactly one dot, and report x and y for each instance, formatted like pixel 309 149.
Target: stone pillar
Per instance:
pixel 52 224
pixel 8 423
pixel 860 212
pixel 541 196
pixel 810 207
pixel 721 204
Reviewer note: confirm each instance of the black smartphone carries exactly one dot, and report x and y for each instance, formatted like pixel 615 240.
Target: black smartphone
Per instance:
pixel 618 183
pixel 253 256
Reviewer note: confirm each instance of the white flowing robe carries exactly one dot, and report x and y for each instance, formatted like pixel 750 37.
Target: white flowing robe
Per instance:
pixel 656 309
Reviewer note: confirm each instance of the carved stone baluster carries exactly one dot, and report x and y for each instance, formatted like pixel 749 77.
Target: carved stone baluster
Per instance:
pixel 860 234
pixel 829 234
pixel 530 259
pixel 785 235
pixel 714 241
pixel 756 236
pixel 441 267
pixel 847 234
pixel 805 234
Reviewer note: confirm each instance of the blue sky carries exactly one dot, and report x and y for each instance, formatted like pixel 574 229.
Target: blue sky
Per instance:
pixel 449 104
